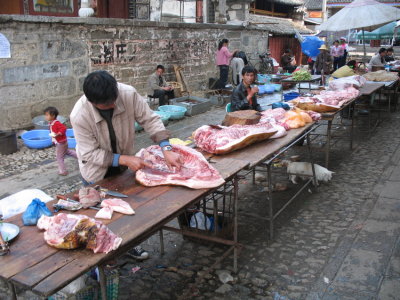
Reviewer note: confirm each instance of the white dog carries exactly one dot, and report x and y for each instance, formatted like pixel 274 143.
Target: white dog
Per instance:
pixel 296 169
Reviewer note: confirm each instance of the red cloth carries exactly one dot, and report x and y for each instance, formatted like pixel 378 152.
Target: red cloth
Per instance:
pixel 59 128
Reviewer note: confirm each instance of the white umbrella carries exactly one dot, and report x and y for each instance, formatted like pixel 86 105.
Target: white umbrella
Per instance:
pixel 361 14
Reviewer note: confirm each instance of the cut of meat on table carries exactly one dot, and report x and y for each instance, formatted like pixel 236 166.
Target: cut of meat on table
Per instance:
pixel 89 196
pixel 68 231
pixel 228 139
pixel 118 205
pixel 196 172
pixel 104 213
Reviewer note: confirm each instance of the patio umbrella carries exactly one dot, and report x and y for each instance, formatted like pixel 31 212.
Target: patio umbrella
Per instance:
pixel 361 14
pixel 384 32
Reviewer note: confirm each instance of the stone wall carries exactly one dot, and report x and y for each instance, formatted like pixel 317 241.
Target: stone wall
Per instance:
pixel 50 58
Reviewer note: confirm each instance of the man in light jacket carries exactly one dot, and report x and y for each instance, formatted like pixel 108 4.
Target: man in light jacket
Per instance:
pixel 104 126
pixel 157 87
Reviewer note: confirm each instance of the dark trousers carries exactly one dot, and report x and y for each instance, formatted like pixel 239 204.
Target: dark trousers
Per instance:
pixel 223 76
pixel 290 69
pixel 343 60
pixel 163 96
pixel 336 63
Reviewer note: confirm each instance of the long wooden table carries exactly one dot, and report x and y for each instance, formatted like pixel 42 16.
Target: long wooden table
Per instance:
pixel 34 265
pixel 367 90
pixel 264 153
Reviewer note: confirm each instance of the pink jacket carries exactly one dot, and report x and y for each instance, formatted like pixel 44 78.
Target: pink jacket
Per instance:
pixel 223 56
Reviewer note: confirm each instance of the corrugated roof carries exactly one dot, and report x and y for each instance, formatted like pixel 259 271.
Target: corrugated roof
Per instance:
pixel 313 4
pixel 280 26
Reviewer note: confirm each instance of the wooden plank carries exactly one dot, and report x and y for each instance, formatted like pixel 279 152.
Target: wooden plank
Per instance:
pixel 257 153
pixel 150 218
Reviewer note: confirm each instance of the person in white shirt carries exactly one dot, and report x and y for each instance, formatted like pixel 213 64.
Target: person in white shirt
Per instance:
pixel 237 65
pixel 378 60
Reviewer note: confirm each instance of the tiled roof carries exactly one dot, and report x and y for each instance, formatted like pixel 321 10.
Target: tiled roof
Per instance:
pixel 280 26
pixel 313 4
pixel 317 4
pixel 290 2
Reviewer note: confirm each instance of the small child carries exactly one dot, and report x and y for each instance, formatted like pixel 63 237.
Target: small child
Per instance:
pixel 57 133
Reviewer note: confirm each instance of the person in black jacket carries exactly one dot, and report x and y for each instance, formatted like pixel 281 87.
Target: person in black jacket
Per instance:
pixel 244 96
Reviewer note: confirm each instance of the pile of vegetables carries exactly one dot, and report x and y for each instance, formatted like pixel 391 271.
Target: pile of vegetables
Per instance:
pixel 301 75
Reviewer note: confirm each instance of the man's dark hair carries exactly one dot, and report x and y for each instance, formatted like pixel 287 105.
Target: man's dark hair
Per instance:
pixel 352 63
pixel 52 111
pixel 287 51
pixel 336 42
pixel 389 50
pixel 100 87
pixel 382 50
pixel 249 69
pixel 160 67
pixel 221 43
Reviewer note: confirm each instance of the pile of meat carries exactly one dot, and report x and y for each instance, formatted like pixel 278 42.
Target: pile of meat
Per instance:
pixel 381 76
pixel 111 205
pixel 195 173
pixel 339 84
pixel 227 139
pixel 67 231
pixel 327 101
pixel 291 119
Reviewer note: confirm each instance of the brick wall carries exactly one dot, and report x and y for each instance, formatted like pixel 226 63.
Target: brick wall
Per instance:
pixel 50 57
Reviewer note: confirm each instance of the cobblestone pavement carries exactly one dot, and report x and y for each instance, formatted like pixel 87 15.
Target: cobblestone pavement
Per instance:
pixel 342 242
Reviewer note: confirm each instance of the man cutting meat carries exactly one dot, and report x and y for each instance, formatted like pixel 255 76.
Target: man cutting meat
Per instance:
pixel 104 126
pixel 244 95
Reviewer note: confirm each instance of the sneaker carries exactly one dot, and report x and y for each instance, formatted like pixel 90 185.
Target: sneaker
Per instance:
pixel 138 253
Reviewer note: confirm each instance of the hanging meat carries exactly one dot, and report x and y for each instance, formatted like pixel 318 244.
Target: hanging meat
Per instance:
pixel 68 231
pixel 195 173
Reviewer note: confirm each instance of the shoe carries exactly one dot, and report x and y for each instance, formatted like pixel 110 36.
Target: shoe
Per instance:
pixel 138 253
pixel 63 174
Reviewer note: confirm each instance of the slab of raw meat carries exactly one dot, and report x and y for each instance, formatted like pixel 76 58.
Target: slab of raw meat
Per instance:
pixel 196 172
pixel 104 213
pixel 118 205
pixel 89 196
pixel 68 231
pixel 228 139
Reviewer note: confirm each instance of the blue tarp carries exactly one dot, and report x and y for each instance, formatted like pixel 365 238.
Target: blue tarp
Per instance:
pixel 310 45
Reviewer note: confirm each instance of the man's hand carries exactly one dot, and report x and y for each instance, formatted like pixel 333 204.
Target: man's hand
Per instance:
pixel 173 159
pixel 132 162
pixel 254 90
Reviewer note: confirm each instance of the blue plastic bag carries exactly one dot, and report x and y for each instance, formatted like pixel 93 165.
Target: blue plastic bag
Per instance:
pixel 34 211
pixel 283 105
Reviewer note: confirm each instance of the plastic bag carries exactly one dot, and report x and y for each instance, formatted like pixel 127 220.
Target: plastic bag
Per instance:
pixel 200 221
pixel 34 211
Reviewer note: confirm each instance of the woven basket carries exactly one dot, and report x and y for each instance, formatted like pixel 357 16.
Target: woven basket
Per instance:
pixel 175 84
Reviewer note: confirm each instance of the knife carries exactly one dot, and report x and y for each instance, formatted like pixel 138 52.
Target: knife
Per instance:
pixel 110 193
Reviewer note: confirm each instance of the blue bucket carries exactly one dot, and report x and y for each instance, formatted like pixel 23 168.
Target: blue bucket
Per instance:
pixel 176 112
pixel 71 138
pixel 290 96
pixel 37 139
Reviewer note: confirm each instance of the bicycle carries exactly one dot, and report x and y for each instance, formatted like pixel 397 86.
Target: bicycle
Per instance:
pixel 265 65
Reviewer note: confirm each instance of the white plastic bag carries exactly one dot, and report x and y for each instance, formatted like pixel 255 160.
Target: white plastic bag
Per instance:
pixel 18 202
pixel 203 222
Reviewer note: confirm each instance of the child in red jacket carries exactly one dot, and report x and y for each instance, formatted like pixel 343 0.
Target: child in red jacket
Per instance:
pixel 57 133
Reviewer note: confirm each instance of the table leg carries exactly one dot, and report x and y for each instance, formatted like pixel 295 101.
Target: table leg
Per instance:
pixel 352 108
pixel 161 242
pixel 11 287
pixel 315 182
pixel 254 175
pixel 328 143
pixel 270 204
pixel 103 283
pixel 235 222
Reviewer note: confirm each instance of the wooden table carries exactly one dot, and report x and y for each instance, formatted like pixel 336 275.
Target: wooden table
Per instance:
pixel 367 90
pixel 264 153
pixel 34 265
